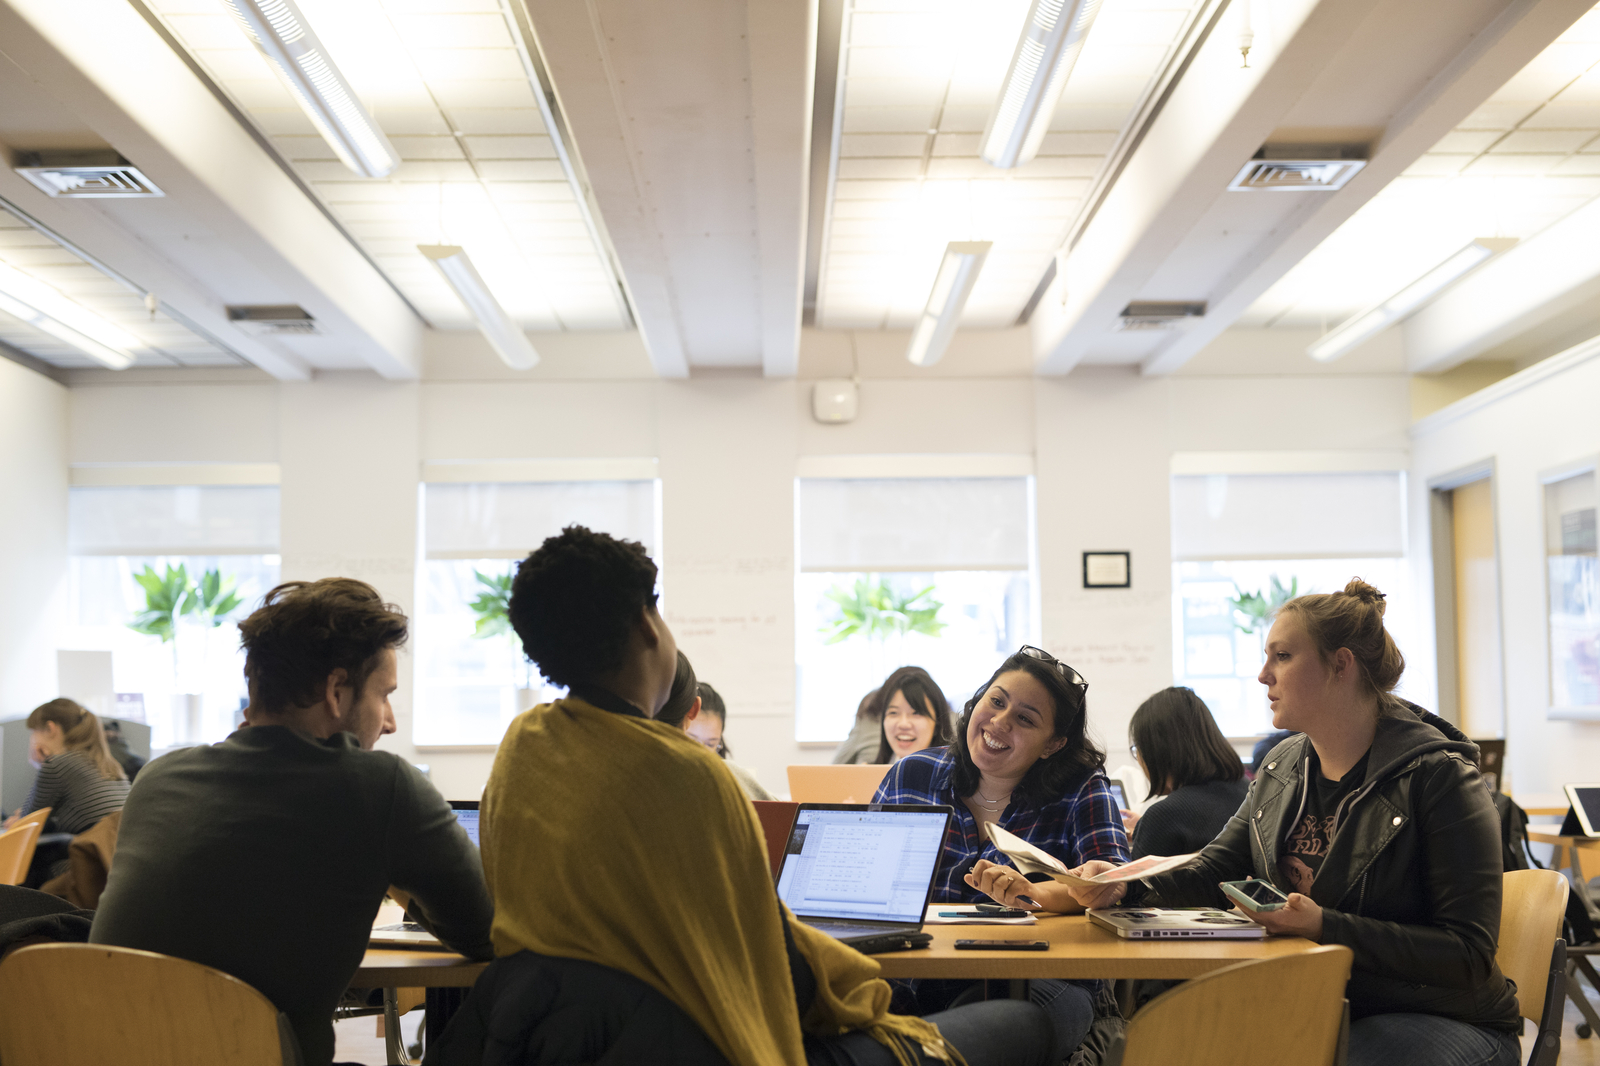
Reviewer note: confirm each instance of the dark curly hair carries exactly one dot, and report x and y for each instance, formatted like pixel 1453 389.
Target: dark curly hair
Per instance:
pixel 574 601
pixel 1048 779
pixel 305 630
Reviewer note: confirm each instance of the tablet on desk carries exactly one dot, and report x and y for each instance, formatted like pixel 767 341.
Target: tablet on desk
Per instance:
pixel 1584 814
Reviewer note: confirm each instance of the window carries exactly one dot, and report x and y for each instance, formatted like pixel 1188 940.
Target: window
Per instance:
pixel 471 675
pixel 1570 559
pixel 935 572
pixel 1245 543
pixel 206 554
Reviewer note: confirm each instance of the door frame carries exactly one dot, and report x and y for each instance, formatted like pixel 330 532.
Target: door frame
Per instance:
pixel 1441 530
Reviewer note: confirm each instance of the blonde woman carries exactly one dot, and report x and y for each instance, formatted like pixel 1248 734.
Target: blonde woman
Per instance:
pixel 78 779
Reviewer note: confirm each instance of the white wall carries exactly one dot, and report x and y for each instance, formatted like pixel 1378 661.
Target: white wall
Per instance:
pixel 1537 419
pixel 33 535
pixel 349 447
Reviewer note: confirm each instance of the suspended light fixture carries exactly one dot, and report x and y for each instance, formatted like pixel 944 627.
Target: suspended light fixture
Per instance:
pixel 286 39
pixel 1051 39
pixel 1360 327
pixel 503 334
pixel 45 309
pixel 958 273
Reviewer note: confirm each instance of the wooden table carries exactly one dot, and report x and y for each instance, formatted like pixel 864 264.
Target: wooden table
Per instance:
pixel 1077 950
pixel 1545 804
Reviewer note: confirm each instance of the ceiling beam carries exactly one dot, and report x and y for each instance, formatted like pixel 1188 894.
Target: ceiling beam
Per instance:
pixel 783 47
pixel 1491 59
pixel 1539 281
pixel 117 250
pixel 1170 230
pixel 230 215
pixel 693 121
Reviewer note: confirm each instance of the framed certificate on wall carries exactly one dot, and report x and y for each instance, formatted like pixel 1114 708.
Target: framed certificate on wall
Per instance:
pixel 1107 570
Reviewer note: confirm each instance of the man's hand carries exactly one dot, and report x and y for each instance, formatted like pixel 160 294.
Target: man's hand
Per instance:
pixel 1097 895
pixel 1301 916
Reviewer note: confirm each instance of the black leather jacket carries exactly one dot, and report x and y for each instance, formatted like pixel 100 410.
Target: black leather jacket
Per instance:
pixel 1411 881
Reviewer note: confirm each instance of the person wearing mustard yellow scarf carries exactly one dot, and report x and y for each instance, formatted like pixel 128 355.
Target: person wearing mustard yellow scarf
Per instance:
pixel 616 845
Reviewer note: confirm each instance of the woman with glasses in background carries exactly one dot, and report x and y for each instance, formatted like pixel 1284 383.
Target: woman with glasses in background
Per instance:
pixel 1022 759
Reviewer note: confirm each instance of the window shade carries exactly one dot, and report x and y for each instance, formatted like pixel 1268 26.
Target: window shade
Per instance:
pixel 913 524
pixel 507 521
pixel 1288 516
pixel 173 520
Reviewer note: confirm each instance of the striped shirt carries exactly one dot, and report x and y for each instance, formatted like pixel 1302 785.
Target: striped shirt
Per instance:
pixel 70 783
pixel 1076 828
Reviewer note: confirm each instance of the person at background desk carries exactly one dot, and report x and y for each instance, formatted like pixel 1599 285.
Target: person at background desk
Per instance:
pixel 78 779
pixel 1188 761
pixel 1021 759
pixel 914 715
pixel 1377 825
pixel 697 709
pixel 266 856
pixel 634 902
pixel 862 743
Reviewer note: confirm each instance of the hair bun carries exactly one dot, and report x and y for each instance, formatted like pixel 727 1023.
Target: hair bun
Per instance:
pixel 1366 594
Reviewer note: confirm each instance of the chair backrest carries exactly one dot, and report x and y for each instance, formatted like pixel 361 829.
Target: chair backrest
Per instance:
pixel 146 1009
pixel 16 851
pixel 777 818
pixel 1239 1015
pixel 39 816
pixel 1532 906
pixel 835 784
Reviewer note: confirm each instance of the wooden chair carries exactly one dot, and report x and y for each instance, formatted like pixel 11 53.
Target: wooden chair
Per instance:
pixel 16 851
pixel 1533 905
pixel 777 818
pixel 146 1010
pixel 1205 1021
pixel 38 817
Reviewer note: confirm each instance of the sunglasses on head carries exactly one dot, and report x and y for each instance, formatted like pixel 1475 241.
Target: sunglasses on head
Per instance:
pixel 1072 676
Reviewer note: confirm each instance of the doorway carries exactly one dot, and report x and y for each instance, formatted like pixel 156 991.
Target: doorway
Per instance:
pixel 1467 604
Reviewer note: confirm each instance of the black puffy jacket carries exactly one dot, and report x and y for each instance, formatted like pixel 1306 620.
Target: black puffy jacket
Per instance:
pixel 1411 881
pixel 535 1010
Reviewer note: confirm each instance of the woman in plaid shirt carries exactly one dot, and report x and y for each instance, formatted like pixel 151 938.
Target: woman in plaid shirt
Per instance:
pixel 1022 758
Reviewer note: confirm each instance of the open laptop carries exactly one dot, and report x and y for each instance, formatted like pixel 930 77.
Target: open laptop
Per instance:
pixel 862 873
pixel 1583 814
pixel 1176 923
pixel 410 934
pixel 836 784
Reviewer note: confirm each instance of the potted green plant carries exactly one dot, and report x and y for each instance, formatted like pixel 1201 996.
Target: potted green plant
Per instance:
pixel 1254 611
pixel 492 620
pixel 877 610
pixel 181 610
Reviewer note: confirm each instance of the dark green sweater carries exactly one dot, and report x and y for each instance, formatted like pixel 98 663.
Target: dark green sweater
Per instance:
pixel 266 856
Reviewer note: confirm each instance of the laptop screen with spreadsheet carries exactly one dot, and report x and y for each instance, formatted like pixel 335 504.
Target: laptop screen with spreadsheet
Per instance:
pixel 873 862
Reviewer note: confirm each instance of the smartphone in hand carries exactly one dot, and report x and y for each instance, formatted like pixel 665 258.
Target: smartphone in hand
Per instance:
pixel 1257 895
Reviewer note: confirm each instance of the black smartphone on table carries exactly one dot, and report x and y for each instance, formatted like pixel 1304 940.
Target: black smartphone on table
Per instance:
pixel 1002 945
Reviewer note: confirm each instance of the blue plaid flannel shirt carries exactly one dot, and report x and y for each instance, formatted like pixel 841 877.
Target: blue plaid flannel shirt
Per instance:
pixel 1076 828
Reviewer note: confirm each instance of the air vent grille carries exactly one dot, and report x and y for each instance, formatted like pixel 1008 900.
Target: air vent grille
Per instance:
pixel 1159 314
pixel 274 320
pixel 89 175
pixel 1299 168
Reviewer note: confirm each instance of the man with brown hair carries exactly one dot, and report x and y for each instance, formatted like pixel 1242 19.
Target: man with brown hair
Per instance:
pixel 266 856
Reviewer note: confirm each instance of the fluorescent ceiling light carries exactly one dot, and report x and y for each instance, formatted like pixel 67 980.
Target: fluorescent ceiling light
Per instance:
pixel 46 309
pixel 504 335
pixel 283 35
pixel 1051 39
pixel 1357 328
pixel 951 287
